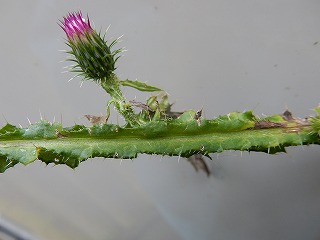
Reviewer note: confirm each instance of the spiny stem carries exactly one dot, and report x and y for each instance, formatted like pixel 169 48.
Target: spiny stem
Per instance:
pixel 111 86
pixel 184 137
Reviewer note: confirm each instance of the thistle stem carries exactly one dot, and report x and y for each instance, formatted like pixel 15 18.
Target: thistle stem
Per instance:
pixel 52 143
pixel 111 86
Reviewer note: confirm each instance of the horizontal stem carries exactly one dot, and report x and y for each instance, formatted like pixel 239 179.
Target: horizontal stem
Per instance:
pixel 185 136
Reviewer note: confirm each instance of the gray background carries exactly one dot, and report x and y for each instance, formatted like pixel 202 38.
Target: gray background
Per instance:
pixel 220 55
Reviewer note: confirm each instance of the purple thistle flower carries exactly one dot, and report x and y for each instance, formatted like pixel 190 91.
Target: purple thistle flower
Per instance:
pixel 75 25
pixel 91 53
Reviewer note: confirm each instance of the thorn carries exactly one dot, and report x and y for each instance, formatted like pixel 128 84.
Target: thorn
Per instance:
pixel 4 118
pixel 29 121
pixel 71 79
pixel 41 118
pixel 108 28
pixel 119 38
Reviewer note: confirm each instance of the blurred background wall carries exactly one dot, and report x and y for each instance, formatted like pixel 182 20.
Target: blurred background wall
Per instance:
pixel 220 55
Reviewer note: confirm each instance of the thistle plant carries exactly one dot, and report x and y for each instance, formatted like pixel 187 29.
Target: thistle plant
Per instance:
pixel 155 129
pixel 94 60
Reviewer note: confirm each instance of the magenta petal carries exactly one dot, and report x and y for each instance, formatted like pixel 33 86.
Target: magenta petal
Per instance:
pixel 75 25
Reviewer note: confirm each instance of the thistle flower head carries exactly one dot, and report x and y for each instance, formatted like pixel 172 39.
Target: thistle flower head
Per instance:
pixel 89 49
pixel 75 25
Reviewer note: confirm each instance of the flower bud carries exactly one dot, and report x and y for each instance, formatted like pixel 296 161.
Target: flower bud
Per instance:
pixel 92 55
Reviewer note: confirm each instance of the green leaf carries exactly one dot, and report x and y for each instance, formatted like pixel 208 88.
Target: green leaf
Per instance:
pixel 139 86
